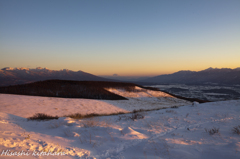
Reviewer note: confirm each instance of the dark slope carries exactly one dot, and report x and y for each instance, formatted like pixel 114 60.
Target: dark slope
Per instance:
pixel 77 89
pixel 69 89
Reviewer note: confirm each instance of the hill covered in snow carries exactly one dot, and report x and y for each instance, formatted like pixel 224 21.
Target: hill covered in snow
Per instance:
pixel 137 98
pixel 87 89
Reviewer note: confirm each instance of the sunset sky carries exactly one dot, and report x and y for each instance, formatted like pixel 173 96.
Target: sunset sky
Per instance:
pixel 124 37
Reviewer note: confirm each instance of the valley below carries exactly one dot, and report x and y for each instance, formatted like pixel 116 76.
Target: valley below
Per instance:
pixel 203 92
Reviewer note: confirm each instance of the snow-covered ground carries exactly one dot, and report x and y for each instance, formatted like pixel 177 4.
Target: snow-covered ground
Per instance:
pixel 26 106
pixel 166 133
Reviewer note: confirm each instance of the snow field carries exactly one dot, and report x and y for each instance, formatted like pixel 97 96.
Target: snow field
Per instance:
pixel 167 133
pixel 27 106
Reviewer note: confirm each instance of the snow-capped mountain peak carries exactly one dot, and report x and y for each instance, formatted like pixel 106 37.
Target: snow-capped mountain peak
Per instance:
pixel 7 68
pixel 12 76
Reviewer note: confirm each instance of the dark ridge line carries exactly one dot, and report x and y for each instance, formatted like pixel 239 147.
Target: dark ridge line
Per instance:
pixel 93 89
pixel 68 89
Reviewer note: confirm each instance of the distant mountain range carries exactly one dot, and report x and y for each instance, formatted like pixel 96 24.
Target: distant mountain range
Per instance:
pixel 208 76
pixel 13 76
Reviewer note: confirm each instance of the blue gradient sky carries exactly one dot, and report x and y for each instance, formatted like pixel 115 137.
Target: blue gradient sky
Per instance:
pixel 124 37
